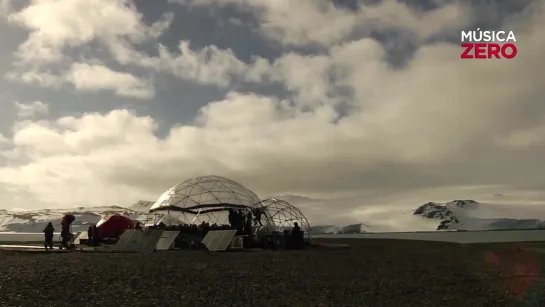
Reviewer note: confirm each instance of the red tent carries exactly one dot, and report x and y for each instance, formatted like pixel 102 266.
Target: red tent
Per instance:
pixel 113 225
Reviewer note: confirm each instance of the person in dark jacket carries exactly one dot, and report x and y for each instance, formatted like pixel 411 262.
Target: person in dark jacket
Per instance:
pixel 90 235
pixel 297 236
pixel 258 212
pixel 96 236
pixel 48 233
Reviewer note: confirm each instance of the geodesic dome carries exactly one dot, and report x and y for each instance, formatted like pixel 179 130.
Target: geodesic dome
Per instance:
pixel 283 215
pixel 204 196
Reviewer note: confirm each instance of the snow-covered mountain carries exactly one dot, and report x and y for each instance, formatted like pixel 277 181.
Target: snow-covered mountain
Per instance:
pixel 445 212
pixel 142 205
pixel 456 215
pixel 31 221
pixel 324 229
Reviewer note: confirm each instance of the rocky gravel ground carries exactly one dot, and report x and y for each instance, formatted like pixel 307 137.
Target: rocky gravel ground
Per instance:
pixel 372 273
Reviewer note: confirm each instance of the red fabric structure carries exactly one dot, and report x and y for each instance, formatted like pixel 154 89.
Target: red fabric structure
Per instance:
pixel 113 225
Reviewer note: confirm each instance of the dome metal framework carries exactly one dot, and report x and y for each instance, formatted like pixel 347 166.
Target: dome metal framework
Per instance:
pixel 202 199
pixel 283 215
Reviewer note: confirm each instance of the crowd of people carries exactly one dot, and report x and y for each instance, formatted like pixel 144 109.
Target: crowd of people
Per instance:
pixel 242 221
pixel 200 229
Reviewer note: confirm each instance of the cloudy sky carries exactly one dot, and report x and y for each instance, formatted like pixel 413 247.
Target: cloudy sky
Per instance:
pixel 111 101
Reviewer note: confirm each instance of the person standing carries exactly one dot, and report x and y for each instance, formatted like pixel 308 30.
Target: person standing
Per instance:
pixel 90 235
pixel 48 233
pixel 258 213
pixel 96 236
pixel 66 235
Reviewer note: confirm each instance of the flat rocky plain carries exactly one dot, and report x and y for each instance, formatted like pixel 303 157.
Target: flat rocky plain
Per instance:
pixel 371 273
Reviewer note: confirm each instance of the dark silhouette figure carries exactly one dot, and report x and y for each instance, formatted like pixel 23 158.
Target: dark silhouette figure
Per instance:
pixel 297 236
pixel 240 221
pixel 96 236
pixel 258 213
pixel 90 235
pixel 296 229
pixel 232 217
pixel 248 225
pixel 48 233
pixel 236 220
pixel 66 235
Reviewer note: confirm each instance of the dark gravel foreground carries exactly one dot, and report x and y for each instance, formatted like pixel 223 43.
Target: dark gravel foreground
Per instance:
pixel 372 273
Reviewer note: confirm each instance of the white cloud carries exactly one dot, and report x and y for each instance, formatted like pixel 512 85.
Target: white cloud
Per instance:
pixel 59 24
pixel 321 22
pixel 34 76
pixel 97 77
pixel 89 77
pixel 61 27
pixel 353 125
pixel 208 66
pixel 29 110
pixel 308 77
pixel 3 140
pixel 57 27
